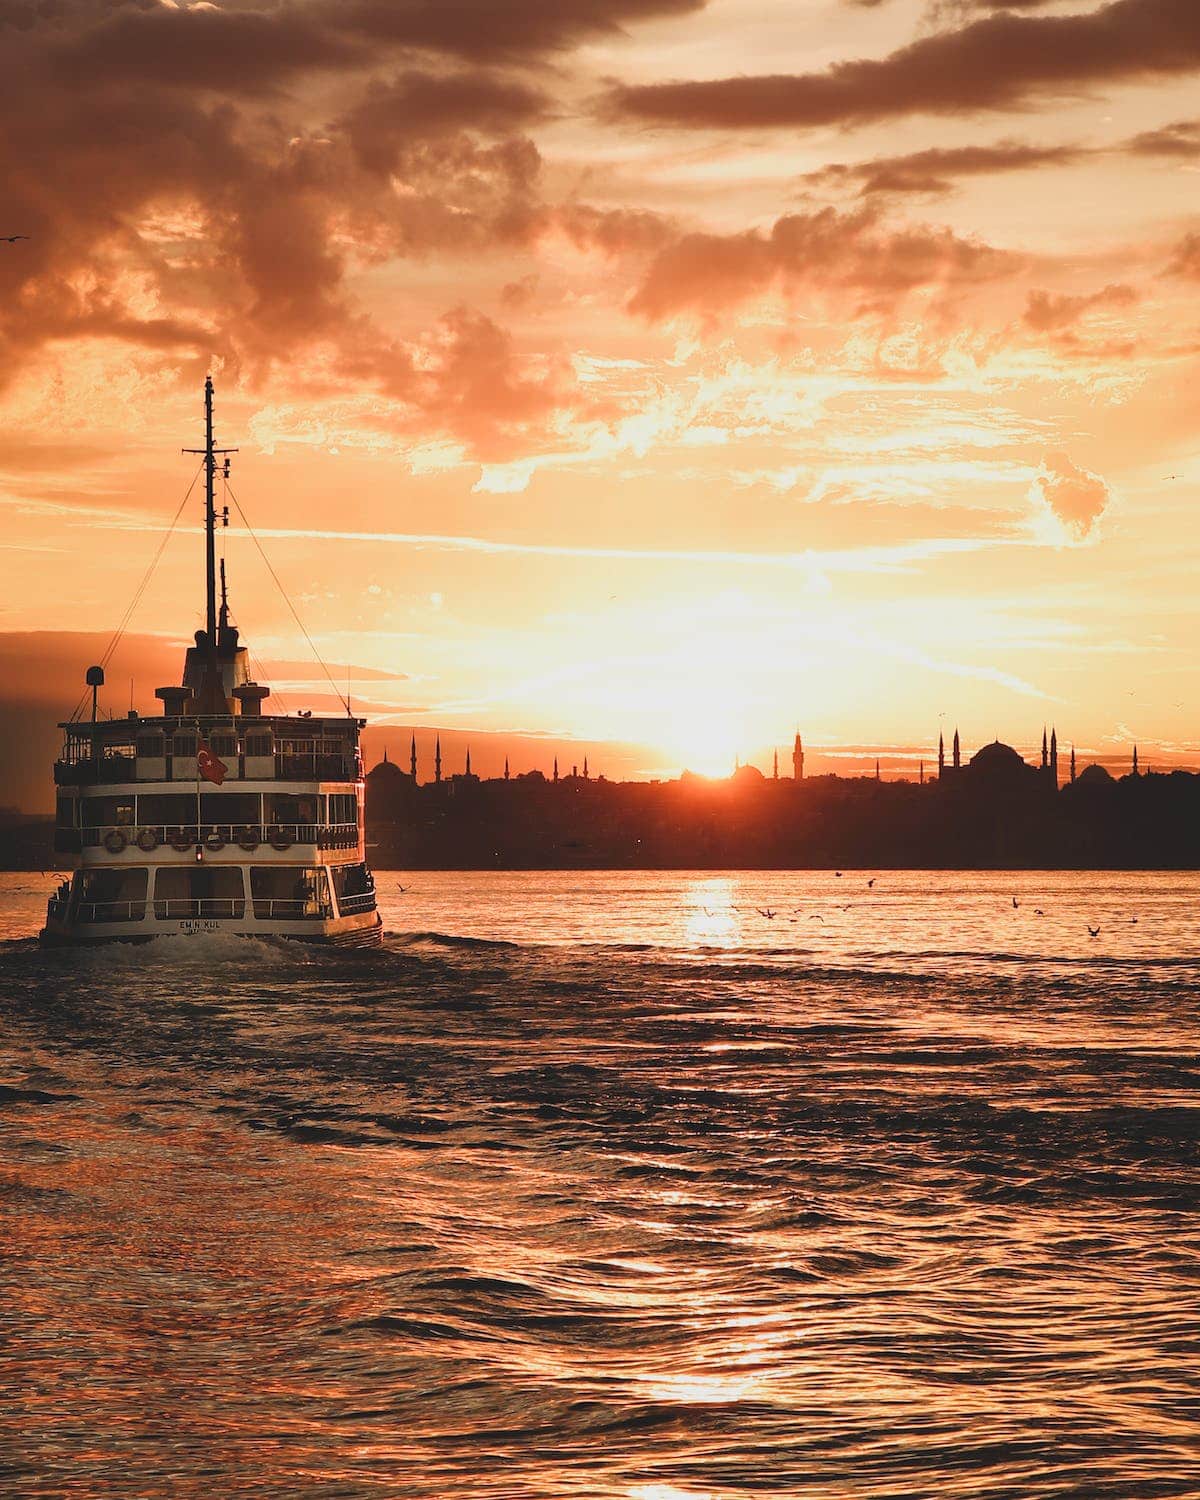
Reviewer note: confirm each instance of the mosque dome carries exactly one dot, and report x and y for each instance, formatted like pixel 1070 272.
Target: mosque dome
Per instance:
pixel 1095 776
pixel 997 756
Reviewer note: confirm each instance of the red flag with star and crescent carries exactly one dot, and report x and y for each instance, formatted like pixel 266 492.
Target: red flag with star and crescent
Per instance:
pixel 210 766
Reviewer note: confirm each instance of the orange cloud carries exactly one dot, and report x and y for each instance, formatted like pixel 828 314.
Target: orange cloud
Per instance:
pixel 821 251
pixel 995 62
pixel 1075 496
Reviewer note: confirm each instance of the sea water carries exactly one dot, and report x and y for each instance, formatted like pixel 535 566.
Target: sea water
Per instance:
pixel 621 1186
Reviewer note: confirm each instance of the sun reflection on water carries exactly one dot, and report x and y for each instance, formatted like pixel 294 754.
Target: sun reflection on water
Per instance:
pixel 710 918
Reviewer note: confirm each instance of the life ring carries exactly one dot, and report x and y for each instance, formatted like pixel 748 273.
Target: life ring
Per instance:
pixel 278 838
pixel 214 842
pixel 181 841
pixel 115 841
pixel 247 839
pixel 147 840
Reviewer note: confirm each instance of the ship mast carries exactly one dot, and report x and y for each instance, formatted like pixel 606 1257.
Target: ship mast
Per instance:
pixel 210 455
pixel 210 521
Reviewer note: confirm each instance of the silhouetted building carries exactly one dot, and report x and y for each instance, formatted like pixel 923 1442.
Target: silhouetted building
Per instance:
pixel 797 758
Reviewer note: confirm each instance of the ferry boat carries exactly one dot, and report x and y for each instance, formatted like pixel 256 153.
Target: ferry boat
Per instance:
pixel 216 816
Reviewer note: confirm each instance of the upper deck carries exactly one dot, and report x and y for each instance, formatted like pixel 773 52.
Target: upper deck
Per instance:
pixel 119 752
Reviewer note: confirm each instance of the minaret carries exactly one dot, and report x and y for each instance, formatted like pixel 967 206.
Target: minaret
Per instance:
pixel 556 768
pixel 775 767
pixel 1072 762
pixel 468 767
pixel 957 753
pixel 385 759
pixel 921 775
pixel 876 768
pixel 506 768
pixel 941 755
pixel 1136 772
pixel 1045 756
pixel 1054 756
pixel 437 759
pixel 585 768
pixel 412 758
pixel 797 758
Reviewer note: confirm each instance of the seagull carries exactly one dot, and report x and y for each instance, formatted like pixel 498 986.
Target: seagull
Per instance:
pixel 1038 912
pixel 11 239
pixel 816 917
pixel 1095 931
pixel 837 874
pixel 401 888
pixel 871 882
pixel 767 913
pixel 1132 920
pixel 1016 903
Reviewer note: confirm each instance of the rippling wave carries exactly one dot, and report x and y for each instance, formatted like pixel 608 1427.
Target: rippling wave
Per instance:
pixel 611 1187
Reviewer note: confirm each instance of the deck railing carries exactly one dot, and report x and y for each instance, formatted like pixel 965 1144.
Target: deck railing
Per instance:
pixel 183 907
pixel 363 901
pixel 290 909
pixel 248 837
pixel 110 911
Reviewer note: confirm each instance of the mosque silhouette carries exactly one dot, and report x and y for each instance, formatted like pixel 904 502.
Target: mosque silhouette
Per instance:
pixel 993 810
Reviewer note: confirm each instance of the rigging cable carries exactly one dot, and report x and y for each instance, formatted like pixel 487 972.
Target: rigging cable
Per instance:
pixel 115 640
pixel 312 647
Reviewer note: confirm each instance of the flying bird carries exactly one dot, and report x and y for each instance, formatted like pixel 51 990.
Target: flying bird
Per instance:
pixel 816 917
pixel 837 874
pixel 1094 931
pixel 1016 903
pixel 1038 912
pixel 871 882
pixel 11 239
pixel 768 913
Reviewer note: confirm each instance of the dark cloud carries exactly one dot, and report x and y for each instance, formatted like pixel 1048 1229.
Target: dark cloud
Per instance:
pixel 199 214
pixel 1180 139
pixel 821 252
pixel 487 29
pixel 935 171
pixel 418 105
pixel 996 62
pixel 1048 312
pixel 1186 260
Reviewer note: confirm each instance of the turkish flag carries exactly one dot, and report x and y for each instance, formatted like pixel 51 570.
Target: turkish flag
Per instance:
pixel 210 766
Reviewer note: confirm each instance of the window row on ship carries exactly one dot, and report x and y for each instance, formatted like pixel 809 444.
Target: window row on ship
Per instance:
pixel 329 820
pixel 277 893
pixel 122 752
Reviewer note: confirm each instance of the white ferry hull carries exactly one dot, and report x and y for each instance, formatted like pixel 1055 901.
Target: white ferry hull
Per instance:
pixel 360 930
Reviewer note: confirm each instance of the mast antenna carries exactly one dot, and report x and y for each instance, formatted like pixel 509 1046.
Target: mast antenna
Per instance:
pixel 210 455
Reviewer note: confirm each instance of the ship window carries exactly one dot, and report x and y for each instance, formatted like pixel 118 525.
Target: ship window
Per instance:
pixel 223 743
pixel 159 809
pixel 151 745
pixel 288 893
pixel 212 891
pixel 116 893
pixel 229 807
pixel 183 743
pixel 107 812
pixel 355 887
pixel 260 742
pixel 343 807
pixel 289 808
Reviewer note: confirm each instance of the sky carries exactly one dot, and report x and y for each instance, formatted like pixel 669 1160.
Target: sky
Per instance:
pixel 644 379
